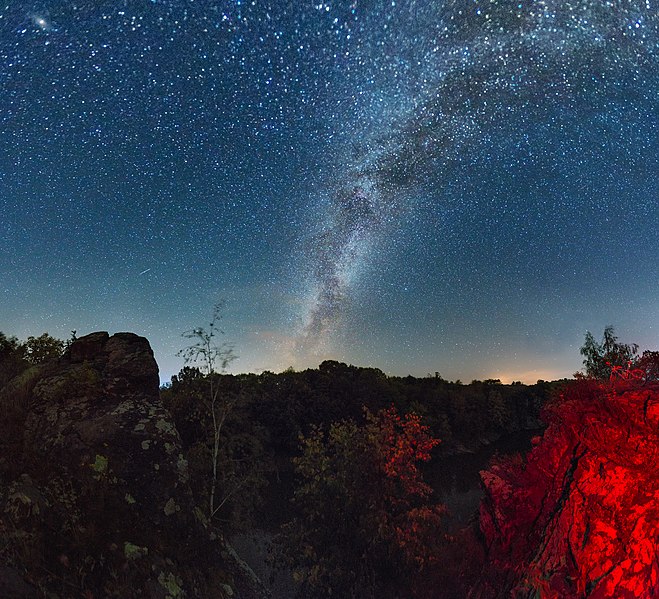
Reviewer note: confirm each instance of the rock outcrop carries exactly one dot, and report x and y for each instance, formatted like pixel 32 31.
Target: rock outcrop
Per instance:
pixel 95 500
pixel 578 518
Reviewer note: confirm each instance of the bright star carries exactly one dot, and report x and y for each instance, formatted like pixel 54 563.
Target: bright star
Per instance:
pixel 41 22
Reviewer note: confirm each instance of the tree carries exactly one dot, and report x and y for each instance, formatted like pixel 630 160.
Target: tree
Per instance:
pixel 16 356
pixel 498 410
pixel 600 357
pixel 12 358
pixel 213 358
pixel 649 362
pixel 367 527
pixel 71 340
pixel 241 459
pixel 8 345
pixel 43 348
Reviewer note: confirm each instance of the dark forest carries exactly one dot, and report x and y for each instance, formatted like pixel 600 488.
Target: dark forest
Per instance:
pixel 329 479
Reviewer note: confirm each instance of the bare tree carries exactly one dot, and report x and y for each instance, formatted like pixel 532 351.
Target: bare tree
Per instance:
pixel 212 358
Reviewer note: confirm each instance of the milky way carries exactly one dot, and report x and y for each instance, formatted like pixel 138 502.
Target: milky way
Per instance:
pixel 461 186
pixel 485 71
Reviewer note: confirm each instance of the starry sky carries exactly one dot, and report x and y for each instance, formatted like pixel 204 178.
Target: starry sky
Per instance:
pixel 461 186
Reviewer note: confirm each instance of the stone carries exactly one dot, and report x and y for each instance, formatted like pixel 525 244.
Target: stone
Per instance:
pixel 102 504
pixel 577 517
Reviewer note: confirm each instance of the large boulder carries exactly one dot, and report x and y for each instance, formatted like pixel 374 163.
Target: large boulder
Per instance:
pixel 95 500
pixel 578 516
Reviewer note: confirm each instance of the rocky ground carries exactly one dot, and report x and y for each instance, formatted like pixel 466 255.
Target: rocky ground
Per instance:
pixel 95 500
pixel 578 517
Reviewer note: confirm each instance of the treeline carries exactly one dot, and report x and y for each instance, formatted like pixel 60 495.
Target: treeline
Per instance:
pixel 264 417
pixel 260 419
pixel 334 459
pixel 288 404
pixel 335 454
pixel 16 355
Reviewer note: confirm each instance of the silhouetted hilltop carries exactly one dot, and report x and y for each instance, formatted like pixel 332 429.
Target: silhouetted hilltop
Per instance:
pixel 464 416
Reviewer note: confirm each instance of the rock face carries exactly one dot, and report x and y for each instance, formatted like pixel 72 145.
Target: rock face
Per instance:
pixel 95 500
pixel 579 517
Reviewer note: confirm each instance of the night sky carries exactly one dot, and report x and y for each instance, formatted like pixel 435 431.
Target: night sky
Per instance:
pixel 460 186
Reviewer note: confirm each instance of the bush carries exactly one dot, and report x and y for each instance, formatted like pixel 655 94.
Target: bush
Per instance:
pixel 367 527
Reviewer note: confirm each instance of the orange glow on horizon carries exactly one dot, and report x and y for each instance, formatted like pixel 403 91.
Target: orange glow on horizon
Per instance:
pixel 530 377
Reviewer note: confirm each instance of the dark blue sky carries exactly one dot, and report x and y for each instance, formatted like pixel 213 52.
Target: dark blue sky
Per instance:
pixel 462 186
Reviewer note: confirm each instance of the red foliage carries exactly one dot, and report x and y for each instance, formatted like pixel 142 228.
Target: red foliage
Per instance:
pixel 367 522
pixel 402 442
pixel 579 517
pixel 407 442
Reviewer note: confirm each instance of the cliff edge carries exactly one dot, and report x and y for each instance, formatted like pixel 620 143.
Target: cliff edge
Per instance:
pixel 578 517
pixel 94 495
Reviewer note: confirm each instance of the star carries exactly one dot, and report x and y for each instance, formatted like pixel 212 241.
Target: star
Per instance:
pixel 41 22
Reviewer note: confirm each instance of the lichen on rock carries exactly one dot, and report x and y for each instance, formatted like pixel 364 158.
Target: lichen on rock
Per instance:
pixel 96 483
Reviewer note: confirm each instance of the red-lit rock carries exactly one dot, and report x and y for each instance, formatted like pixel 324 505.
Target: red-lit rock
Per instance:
pixel 579 517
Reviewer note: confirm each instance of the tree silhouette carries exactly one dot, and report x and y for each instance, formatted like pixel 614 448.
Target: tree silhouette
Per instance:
pixel 213 358
pixel 600 357
pixel 43 348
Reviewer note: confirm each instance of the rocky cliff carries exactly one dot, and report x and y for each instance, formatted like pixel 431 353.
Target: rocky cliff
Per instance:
pixel 578 517
pixel 94 494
